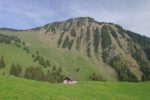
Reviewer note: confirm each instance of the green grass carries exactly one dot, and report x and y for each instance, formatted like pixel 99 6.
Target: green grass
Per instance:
pixel 12 88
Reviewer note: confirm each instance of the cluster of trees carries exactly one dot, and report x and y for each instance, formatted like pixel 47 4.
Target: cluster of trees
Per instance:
pixel 106 39
pixel 120 30
pixel 2 62
pixel 96 37
pixel 88 42
pixel 41 60
pixel 5 39
pixel 34 73
pixel 60 39
pixel 146 73
pixel 67 25
pixel 105 56
pixel 147 52
pixel 96 77
pixel 73 33
pixel 19 43
pixel 143 41
pixel 144 67
pixel 52 27
pixel 124 74
pixel 112 31
pixel 54 75
pixel 114 34
pixel 16 70
pixel 9 39
pixel 79 40
pixel 67 43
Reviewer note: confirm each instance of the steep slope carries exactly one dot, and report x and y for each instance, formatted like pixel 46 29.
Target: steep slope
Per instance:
pixel 105 43
pixel 91 46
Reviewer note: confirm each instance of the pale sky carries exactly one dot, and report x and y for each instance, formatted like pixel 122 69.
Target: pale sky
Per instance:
pixel 133 15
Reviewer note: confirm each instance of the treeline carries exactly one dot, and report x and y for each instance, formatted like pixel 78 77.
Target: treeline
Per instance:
pixel 2 62
pixel 143 41
pixel 54 75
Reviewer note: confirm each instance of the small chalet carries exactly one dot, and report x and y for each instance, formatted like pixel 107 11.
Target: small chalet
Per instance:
pixel 68 80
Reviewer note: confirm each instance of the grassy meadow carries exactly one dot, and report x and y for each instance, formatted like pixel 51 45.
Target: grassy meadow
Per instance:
pixel 12 88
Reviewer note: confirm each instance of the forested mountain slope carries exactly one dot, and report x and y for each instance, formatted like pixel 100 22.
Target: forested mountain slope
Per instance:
pixel 82 46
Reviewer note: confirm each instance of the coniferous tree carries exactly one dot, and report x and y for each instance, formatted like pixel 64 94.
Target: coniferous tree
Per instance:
pixel 16 70
pixel 2 62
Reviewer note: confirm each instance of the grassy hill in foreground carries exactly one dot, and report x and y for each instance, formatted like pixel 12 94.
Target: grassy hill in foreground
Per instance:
pixel 12 88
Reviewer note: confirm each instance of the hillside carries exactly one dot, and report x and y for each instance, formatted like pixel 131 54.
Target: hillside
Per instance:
pixel 82 46
pixel 12 88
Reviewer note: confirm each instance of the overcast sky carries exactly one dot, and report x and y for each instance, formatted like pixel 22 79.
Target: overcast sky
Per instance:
pixel 23 14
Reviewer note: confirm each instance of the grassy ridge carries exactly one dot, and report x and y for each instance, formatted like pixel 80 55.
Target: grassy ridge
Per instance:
pixel 12 88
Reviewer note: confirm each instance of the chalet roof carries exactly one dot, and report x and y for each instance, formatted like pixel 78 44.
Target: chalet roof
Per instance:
pixel 67 78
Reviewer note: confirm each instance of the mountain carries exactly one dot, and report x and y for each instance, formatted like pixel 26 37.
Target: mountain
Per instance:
pixel 82 46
